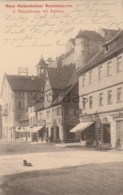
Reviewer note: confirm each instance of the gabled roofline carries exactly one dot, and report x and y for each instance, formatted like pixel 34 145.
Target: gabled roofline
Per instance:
pixel 5 76
pixel 99 62
pixel 114 38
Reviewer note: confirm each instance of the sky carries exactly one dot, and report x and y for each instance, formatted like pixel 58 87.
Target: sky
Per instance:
pixel 30 29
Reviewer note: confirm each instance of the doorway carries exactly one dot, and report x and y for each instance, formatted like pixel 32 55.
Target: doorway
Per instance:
pixel 119 129
pixel 106 133
pixel 57 133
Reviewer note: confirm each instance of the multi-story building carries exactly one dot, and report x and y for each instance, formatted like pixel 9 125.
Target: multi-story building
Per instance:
pixel 101 94
pixel 56 109
pixel 60 112
pixel 0 122
pixel 22 131
pixel 16 95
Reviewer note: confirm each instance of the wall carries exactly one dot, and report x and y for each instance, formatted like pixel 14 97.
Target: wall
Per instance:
pixel 85 49
pixel 7 111
pixel 103 85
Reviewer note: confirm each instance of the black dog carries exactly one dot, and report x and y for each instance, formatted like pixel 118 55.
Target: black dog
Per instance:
pixel 25 163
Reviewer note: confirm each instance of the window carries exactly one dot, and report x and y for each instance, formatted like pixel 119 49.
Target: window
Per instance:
pixel 119 64
pixel 59 111
pixel 48 114
pixel 19 94
pixel 19 116
pixel 10 105
pixel 109 69
pixel 40 116
pixel 91 101
pixel 83 80
pixel 106 48
pixel 119 94
pixel 100 72
pixel 84 103
pixel 110 97
pixel 31 122
pixel 20 104
pixel 90 77
pixel 101 99
pixel 54 112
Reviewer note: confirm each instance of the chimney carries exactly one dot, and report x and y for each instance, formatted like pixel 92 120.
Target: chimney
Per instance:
pixel 23 71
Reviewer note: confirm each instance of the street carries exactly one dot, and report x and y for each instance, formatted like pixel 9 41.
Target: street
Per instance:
pixel 58 171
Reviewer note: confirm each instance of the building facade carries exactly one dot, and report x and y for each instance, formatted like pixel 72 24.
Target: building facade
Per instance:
pixel 101 92
pixel 17 94
pixel 60 112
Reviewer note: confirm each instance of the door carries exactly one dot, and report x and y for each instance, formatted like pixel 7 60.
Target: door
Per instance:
pixel 106 133
pixel 57 132
pixel 119 131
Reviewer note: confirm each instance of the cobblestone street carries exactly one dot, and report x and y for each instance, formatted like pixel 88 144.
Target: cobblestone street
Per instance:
pixel 51 168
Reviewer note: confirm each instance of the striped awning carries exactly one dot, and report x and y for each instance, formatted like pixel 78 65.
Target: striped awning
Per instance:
pixel 36 129
pixel 81 127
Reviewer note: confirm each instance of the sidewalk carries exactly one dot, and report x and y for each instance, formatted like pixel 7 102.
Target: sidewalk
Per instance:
pixel 83 147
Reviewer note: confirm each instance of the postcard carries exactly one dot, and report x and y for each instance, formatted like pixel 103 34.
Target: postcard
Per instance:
pixel 61 97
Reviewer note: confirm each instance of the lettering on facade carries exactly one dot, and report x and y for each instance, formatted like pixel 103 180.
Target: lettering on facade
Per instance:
pixel 118 116
pixel 86 117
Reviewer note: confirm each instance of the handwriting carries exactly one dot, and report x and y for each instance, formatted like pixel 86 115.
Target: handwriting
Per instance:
pixel 44 29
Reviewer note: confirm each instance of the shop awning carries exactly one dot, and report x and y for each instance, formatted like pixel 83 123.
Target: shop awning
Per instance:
pixel 36 129
pixel 81 127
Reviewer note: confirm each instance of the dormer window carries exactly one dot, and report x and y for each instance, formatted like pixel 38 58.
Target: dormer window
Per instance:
pixel 106 48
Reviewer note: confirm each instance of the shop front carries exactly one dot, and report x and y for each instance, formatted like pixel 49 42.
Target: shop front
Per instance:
pixel 119 130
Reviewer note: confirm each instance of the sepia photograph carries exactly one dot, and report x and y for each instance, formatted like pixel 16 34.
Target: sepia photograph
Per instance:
pixel 61 97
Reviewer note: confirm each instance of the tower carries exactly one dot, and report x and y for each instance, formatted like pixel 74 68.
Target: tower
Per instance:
pixel 41 67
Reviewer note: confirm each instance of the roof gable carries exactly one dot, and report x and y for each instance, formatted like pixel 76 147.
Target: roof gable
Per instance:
pixel 25 83
pixel 89 34
pixel 115 47
pixel 58 77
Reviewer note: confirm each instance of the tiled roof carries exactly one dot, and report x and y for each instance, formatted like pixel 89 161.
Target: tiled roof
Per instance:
pixel 104 55
pixel 59 76
pixel 73 79
pixel 25 83
pixel 89 34
pixel 110 32
pixel 117 36
pixel 39 106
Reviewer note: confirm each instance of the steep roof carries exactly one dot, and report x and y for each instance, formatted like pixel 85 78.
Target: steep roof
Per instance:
pixel 25 83
pixel 116 37
pixel 112 31
pixel 71 82
pixel 42 62
pixel 89 34
pixel 104 55
pixel 59 76
pixel 72 40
